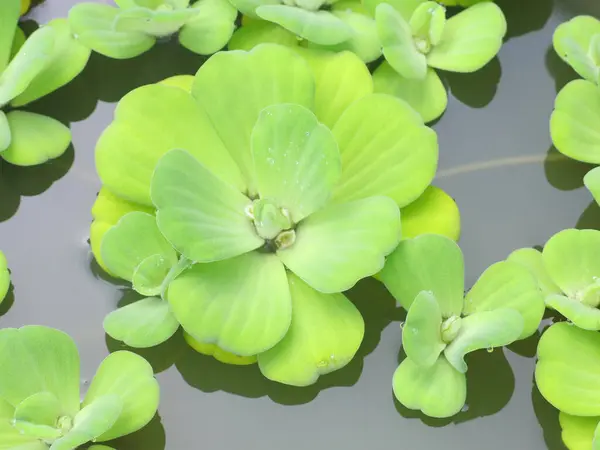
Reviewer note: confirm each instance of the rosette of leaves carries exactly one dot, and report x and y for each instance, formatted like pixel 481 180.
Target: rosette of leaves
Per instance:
pixel 29 70
pixel 417 38
pixel 4 277
pixel 282 162
pixel 40 406
pixel 426 276
pixel 134 26
pixel 566 374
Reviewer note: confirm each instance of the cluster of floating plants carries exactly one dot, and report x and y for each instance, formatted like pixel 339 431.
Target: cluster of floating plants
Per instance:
pixel 242 202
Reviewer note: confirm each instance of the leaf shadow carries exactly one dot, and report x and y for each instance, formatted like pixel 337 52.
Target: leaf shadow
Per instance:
pixel 547 417
pixel 151 437
pixel 476 89
pixel 590 218
pixel 521 20
pixel 8 301
pixel 207 374
pixel 564 173
pixel 526 347
pixel 560 71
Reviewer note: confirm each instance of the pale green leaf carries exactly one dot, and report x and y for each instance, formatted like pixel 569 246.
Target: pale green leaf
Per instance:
pixel 159 23
pixel 427 96
pixel 249 35
pixel 578 432
pixel 4 277
pixel 399 47
pixel 438 391
pixel 470 40
pixel 406 8
pixel 145 323
pixel 218 353
pixel 37 359
pixel 385 149
pixel 572 41
pixel 129 377
pixel 508 285
pixel 325 334
pixel 150 275
pixel 35 138
pixel 242 304
pixel 428 21
pixel 248 7
pixel 37 416
pixel 568 369
pixel 267 75
pixel 592 183
pixel 421 334
pixel 532 260
pixel 5 136
pixel 202 216
pixel 428 262
pixel 584 316
pixel 296 159
pixel 343 243
pixel 211 28
pixel 320 27
pixel 9 17
pixel 12 439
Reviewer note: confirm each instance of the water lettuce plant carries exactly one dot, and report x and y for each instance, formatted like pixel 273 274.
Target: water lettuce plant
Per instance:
pixel 426 276
pixel 29 70
pixel 40 405
pixel 266 186
pixel 4 277
pixel 134 26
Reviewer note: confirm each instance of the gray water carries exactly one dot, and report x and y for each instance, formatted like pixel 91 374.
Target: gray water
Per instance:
pixel 496 160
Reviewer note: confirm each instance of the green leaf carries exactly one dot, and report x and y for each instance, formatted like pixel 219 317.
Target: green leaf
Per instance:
pixel 267 75
pixel 9 17
pixel 571 259
pixel 202 216
pixel 256 32
pixel 37 416
pixel 151 274
pixel 212 27
pixel 438 391
pixel 218 353
pixel 427 263
pixel 5 135
pixel 532 260
pixel 428 21
pixel 399 48
pixel 421 333
pixel 484 329
pixel 248 7
pixel 12 439
pixel 241 304
pixel 95 419
pixel 35 139
pixel 340 79
pixel 573 124
pixel 129 377
pixel 325 334
pixel 584 316
pixel 37 359
pixel 471 39
pixel 30 60
pixel 18 42
pixel 578 432
pixel 92 24
pixel 68 59
pixel 406 8
pixel 4 277
pixel 341 244
pixel 572 41
pixel 508 285
pixel 132 240
pixel 568 369
pixel 296 159
pixel 592 183
pixel 427 96
pixel 142 324
pixel 320 27
pixel 385 149
pixel 156 23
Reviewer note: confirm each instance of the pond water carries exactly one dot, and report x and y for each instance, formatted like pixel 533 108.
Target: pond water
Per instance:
pixel 497 161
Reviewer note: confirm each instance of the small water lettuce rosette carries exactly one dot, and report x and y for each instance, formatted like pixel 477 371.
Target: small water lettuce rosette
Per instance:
pixel 426 275
pixel 40 405
pixel 30 69
pixel 133 27
pixel 266 186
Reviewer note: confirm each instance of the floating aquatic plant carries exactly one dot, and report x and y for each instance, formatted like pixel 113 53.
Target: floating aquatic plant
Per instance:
pixel 4 277
pixel 40 405
pixel 134 26
pixel 29 70
pixel 426 275
pixel 263 161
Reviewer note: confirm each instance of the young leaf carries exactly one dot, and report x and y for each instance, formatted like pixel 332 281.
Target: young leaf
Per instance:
pixel 258 32
pixel 35 138
pixel 592 183
pixel 573 124
pixel 471 39
pixel 296 159
pixel 484 329
pixel 427 22
pixel 9 17
pixel 385 150
pixel 343 243
pixel 4 277
pixel 508 285
pixel 406 8
pixel 39 359
pixel 427 263
pixel 421 333
pixel 532 260
pixel 320 27
pixel 12 439
pixel 427 96
pixel 572 40
pixel 210 29
pixel 150 275
pixel 129 377
pixel 398 45
pixel 142 324
pixel 568 369
pixel 584 316
pixel 438 391
pixel 37 416
pixel 202 216
pixel 325 334
pixel 241 304
pixel 578 432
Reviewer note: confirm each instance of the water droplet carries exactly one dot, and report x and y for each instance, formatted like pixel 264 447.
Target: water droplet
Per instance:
pixel 271 161
pixel 414 330
pixel 332 357
pixel 401 325
pixel 465 408
pixel 322 363
pixel 490 349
